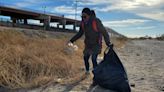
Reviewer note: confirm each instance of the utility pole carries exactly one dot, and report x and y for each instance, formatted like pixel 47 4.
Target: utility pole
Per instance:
pixel 44 16
pixel 75 14
pixel 44 7
pixel 76 9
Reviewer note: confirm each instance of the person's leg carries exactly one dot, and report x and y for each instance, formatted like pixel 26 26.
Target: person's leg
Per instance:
pixel 86 62
pixel 94 60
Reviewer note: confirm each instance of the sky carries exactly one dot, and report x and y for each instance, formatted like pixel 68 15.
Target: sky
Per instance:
pixel 132 18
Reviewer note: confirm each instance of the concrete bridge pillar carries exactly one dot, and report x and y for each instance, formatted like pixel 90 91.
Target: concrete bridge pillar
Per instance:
pixel 63 26
pixel 47 20
pixel 63 22
pixel 25 21
pixel 74 26
pixel 14 20
pixel 58 26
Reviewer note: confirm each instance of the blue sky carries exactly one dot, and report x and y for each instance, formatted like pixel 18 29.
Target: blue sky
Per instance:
pixel 132 18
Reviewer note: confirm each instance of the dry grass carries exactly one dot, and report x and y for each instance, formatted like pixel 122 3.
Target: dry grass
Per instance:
pixel 30 62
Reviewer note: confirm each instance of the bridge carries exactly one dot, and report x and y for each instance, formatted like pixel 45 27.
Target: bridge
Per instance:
pixel 23 15
pixel 46 19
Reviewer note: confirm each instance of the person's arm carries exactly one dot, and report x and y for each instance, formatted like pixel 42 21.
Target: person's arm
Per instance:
pixel 77 36
pixel 102 29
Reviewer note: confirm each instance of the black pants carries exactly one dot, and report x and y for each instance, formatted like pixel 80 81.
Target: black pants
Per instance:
pixel 86 61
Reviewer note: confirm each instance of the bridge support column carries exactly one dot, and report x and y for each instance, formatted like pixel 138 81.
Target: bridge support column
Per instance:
pixel 74 27
pixel 47 20
pixel 63 22
pixel 57 25
pixel 25 21
pixel 64 26
pixel 14 20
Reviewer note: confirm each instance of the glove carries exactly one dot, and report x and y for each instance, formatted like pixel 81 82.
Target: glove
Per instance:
pixel 69 43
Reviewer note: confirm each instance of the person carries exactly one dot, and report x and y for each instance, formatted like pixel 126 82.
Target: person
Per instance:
pixel 93 39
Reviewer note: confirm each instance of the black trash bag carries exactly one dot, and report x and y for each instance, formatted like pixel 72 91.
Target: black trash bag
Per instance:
pixel 111 74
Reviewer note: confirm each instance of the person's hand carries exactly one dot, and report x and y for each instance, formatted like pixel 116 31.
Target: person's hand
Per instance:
pixel 110 45
pixel 69 43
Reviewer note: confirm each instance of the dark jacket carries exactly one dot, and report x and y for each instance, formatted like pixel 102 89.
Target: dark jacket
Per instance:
pixel 92 38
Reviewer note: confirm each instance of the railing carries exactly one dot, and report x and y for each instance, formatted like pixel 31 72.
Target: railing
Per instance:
pixel 36 27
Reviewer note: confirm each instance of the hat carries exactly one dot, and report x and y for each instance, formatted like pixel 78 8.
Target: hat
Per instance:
pixel 87 11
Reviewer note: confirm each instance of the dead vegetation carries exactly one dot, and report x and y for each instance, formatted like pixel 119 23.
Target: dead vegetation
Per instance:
pixel 27 62
pixel 161 38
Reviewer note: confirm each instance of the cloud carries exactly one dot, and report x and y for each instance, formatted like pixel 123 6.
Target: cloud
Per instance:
pixel 132 27
pixel 26 3
pixel 125 23
pixel 94 2
pixel 123 5
pixel 146 27
pixel 22 4
pixel 154 15
pixel 152 9
pixel 66 9
pixel 73 17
